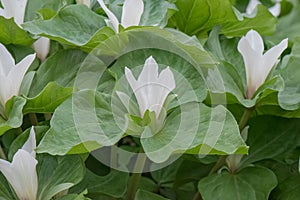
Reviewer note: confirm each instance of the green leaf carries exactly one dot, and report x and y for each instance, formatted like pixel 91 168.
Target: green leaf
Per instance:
pixel 267 141
pixel 156 13
pixel 197 17
pixel 75 196
pixel 72 25
pixel 196 129
pixel 34 7
pixel 48 100
pixel 288 26
pixel 13 114
pixel 56 174
pixel 145 195
pixel 166 176
pixel 5 190
pixel 11 33
pixel 113 184
pixel 22 138
pixel 289 98
pixel 61 67
pixel 250 183
pixel 88 124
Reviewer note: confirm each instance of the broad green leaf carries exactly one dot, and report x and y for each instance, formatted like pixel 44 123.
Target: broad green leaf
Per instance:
pixel 11 33
pixel 13 114
pixel 289 98
pixel 267 142
pixel 168 40
pixel 145 195
pixel 196 129
pixel 288 26
pixel 156 13
pixel 35 6
pixel 75 196
pixel 197 17
pixel 165 177
pixel 186 173
pixel 250 183
pixel 56 174
pixel 72 25
pixel 288 180
pixel 5 190
pixel 88 124
pixel 48 100
pixel 61 67
pixel 288 189
pixel 113 184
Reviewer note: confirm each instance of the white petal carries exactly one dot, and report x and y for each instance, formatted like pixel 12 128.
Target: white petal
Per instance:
pixel 275 10
pixel 15 9
pixel 111 16
pixel 130 78
pixel 30 144
pixel 17 72
pixel 5 91
pixel 252 6
pixel 253 65
pixel 149 72
pixel 21 174
pixel 41 47
pixel 6 61
pixel 132 12
pixel 255 41
pixel 272 55
pixel 167 78
pixel 151 89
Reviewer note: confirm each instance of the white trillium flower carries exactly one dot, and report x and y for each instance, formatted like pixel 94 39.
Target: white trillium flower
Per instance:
pixel 15 9
pixel 11 74
pixel 42 47
pixel 21 172
pixel 131 14
pixel 257 64
pixel 275 10
pixel 151 89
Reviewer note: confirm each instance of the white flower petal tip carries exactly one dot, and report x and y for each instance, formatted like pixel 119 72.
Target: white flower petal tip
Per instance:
pixel 113 19
pixel 131 14
pixel 252 6
pixel 21 172
pixel 257 64
pixel 15 9
pixel 42 47
pixel 274 10
pixel 30 144
pixel 11 74
pixel 151 89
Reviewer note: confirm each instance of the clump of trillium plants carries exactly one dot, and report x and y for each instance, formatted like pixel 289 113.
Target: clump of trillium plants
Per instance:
pixel 149 99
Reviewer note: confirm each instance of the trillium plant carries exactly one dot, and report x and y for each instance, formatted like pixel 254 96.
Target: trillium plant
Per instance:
pixel 149 99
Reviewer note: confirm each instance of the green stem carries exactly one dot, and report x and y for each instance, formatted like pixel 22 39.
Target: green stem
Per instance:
pixel 135 178
pixel 47 116
pixel 33 119
pixel 245 118
pixel 2 154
